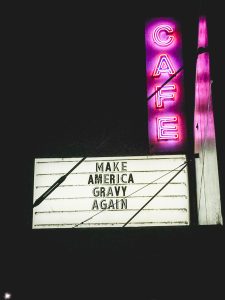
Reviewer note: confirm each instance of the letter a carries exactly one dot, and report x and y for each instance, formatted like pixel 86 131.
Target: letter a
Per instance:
pixel 163 65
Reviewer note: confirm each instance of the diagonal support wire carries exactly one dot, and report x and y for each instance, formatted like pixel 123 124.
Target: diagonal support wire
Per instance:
pixel 168 80
pixel 56 184
pixel 155 194
pixel 62 179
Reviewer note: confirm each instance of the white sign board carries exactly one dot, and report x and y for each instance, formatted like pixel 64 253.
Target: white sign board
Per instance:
pixel 108 191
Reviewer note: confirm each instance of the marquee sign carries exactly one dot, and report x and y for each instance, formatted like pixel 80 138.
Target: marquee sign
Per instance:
pixel 108 191
pixel 165 90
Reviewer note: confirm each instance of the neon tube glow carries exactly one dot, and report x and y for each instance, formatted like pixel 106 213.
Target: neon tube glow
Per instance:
pixel 164 95
pixel 164 65
pixel 166 118
pixel 162 35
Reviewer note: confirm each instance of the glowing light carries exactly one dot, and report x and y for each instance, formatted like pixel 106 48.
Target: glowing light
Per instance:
pixel 164 65
pixel 204 128
pixel 7 296
pixel 163 95
pixel 167 130
pixel 202 33
pixel 162 35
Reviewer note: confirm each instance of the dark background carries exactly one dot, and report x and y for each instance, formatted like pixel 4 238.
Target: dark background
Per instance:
pixel 76 78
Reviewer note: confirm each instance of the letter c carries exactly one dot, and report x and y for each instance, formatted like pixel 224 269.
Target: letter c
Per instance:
pixel 162 35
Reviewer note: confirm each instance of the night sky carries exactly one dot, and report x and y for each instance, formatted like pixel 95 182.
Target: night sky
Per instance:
pixel 76 77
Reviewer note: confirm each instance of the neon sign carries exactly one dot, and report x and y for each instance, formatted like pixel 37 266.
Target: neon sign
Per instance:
pixel 166 118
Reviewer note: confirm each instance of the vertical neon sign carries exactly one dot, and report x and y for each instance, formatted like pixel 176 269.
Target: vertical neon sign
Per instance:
pixel 166 119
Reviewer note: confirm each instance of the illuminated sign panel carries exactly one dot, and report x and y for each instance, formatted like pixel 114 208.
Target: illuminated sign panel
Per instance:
pixel 166 119
pixel 108 191
pixel 207 176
